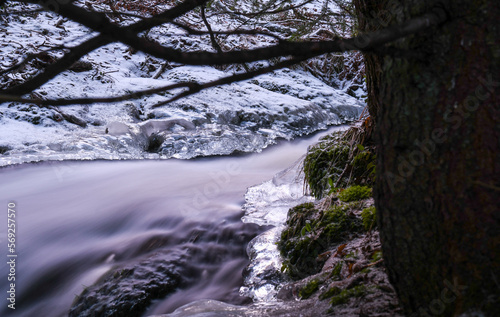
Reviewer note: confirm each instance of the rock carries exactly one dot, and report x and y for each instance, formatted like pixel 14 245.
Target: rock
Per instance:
pixel 74 119
pixel 128 291
pixel 81 66
pixel 4 149
pixel 155 141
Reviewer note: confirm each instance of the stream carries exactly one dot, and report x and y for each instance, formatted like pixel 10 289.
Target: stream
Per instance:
pixel 154 235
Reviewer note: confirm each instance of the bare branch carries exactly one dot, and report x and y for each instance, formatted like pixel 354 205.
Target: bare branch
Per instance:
pixel 265 11
pixel 21 12
pixel 87 101
pixel 128 35
pixel 366 42
pixel 232 79
pixel 58 67
pixel 209 28
pixel 88 46
pixel 192 89
pixel 28 59
pixel 228 32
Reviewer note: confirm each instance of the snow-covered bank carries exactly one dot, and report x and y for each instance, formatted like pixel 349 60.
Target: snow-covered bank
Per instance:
pixel 241 117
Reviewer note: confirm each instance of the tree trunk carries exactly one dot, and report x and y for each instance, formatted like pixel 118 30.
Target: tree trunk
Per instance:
pixel 438 149
pixel 369 21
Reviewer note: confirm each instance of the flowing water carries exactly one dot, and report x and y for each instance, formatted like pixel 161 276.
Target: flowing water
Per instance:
pixel 168 229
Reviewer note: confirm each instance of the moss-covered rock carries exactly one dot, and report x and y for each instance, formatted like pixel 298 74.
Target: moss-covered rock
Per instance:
pixel 337 161
pixel 354 193
pixel 325 160
pixel 369 218
pixel 309 289
pixel 310 232
pixel 338 223
pixel 343 296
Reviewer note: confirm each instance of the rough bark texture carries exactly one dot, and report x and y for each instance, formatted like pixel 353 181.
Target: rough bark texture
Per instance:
pixel 438 137
pixel 370 19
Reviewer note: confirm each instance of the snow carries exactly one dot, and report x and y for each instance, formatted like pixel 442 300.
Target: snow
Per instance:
pixel 242 117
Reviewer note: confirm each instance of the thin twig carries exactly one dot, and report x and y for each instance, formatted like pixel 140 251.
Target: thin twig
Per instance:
pixel 88 46
pixel 209 28
pixel 29 58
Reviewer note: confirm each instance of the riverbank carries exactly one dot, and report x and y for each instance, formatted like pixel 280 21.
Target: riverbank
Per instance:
pixel 351 280
pixel 323 256
pixel 342 275
pixel 332 262
pixel 330 248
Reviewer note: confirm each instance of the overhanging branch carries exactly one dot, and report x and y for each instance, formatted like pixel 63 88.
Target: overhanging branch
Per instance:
pixel 192 89
pixel 366 42
pixel 88 46
pixel 128 35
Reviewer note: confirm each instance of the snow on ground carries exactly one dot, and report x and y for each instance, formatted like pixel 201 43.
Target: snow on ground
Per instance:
pixel 241 117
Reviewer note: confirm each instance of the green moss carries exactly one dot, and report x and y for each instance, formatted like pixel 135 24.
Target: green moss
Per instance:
pixel 297 219
pixel 310 232
pixel 309 289
pixel 298 245
pixel 376 256
pixel 332 291
pixel 351 255
pixel 364 165
pixel 354 193
pixel 326 160
pixel 338 161
pixel 336 224
pixel 335 274
pixel 343 296
pixel 369 217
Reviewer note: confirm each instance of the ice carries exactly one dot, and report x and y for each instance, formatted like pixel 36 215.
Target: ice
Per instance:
pixel 268 204
pixel 264 277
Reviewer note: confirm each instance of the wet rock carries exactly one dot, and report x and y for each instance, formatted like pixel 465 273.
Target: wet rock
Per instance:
pixel 155 141
pixel 128 291
pixel 134 112
pixel 74 119
pixel 287 292
pixel 170 264
pixel 310 232
pixel 352 90
pixel 4 149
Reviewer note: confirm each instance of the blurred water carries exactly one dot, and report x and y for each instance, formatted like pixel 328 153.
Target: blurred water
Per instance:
pixel 77 220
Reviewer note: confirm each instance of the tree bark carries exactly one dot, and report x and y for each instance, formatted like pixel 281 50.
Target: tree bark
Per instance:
pixel 437 131
pixel 368 21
